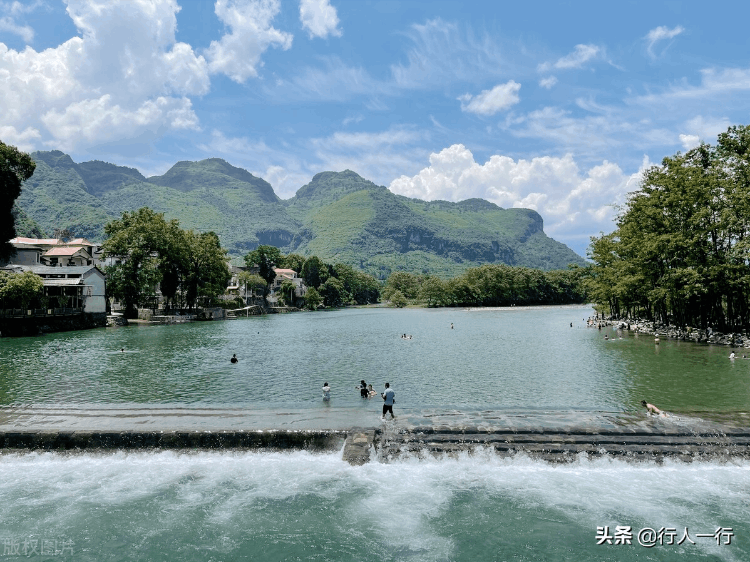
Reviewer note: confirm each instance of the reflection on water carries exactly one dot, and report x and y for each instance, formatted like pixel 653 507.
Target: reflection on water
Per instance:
pixel 499 358
pixel 301 506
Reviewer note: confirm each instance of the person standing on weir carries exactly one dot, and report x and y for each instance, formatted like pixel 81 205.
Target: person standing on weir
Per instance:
pixel 388 400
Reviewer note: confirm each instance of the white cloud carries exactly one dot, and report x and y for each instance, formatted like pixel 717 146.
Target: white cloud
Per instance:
pixel 572 202
pixel 22 140
pixel 704 129
pixel 659 34
pixel 591 137
pixel 102 120
pixel 548 82
pixel 489 102
pixel 319 18
pixel 333 81
pixel 442 54
pixel 126 74
pixel 14 9
pixel 237 54
pixel 689 141
pixel 23 31
pixel 580 56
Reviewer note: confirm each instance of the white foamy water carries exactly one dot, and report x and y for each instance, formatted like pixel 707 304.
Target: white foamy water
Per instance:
pixel 302 506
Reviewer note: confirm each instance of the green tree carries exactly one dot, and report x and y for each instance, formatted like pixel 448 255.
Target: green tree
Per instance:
pixel 286 292
pixel 15 168
pixel 681 250
pixel 266 258
pixel 313 298
pixel 20 288
pixel 398 299
pixel 314 272
pixel 206 272
pixel 292 261
pixel 333 292
pixel 433 291
pixel 252 282
pixel 140 242
pixel 407 283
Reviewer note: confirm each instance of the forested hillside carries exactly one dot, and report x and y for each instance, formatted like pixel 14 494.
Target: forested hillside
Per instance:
pixel 340 217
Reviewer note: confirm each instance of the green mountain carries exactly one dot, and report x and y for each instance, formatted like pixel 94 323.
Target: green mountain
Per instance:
pixel 340 217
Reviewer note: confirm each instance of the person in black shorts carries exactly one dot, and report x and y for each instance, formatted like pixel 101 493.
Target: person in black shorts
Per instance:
pixel 363 392
pixel 388 400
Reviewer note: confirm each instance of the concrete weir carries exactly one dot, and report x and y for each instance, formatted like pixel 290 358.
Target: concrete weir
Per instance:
pixel 363 445
pixel 566 446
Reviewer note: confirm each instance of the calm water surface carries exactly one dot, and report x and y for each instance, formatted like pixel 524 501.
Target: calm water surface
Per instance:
pixel 500 358
pixel 226 506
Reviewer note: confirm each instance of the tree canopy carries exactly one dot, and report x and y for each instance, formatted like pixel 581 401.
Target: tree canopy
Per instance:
pixel 681 249
pixel 149 250
pixel 15 168
pixel 266 258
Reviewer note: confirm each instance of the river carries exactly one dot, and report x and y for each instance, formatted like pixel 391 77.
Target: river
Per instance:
pixel 524 362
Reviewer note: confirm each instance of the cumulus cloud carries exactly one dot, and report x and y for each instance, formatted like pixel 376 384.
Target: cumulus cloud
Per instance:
pixel 573 202
pixel 580 56
pixel 319 18
pixel 237 54
pixel 489 102
pixel 125 74
pixel 659 34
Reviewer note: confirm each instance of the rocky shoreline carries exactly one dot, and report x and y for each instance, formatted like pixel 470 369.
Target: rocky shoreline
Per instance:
pixel 696 335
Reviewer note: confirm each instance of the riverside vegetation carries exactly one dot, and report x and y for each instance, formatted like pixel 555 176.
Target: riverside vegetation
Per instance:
pixel 680 254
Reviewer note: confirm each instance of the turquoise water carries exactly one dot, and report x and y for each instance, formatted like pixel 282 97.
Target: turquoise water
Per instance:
pixel 506 358
pixel 225 506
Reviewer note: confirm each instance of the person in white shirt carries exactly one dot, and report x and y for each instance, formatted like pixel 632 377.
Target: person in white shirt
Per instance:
pixel 326 392
pixel 388 400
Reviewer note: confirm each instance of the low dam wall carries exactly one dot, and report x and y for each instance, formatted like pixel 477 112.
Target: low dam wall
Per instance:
pixel 364 445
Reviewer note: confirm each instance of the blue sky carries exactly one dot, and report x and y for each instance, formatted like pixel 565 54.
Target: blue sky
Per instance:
pixel 555 106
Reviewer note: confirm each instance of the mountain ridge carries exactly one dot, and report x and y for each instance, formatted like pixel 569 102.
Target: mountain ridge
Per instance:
pixel 338 216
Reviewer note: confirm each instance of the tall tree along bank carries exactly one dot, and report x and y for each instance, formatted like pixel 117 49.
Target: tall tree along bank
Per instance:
pixel 681 250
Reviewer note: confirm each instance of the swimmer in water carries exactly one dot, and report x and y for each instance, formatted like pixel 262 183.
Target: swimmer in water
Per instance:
pixel 234 358
pixel 732 355
pixel 370 391
pixel 326 392
pixel 653 409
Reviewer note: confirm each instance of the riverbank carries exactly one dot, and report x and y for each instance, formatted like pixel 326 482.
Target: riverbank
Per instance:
pixel 695 335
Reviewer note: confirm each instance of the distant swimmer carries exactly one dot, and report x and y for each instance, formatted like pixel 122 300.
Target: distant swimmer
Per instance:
pixel 606 337
pixel 363 390
pixel 451 325
pixel 234 358
pixel 326 392
pixel 732 355
pixel 571 324
pixel 122 350
pixel 653 409
pixel 370 391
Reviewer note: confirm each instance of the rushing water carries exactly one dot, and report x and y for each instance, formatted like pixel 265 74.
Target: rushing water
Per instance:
pixel 302 506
